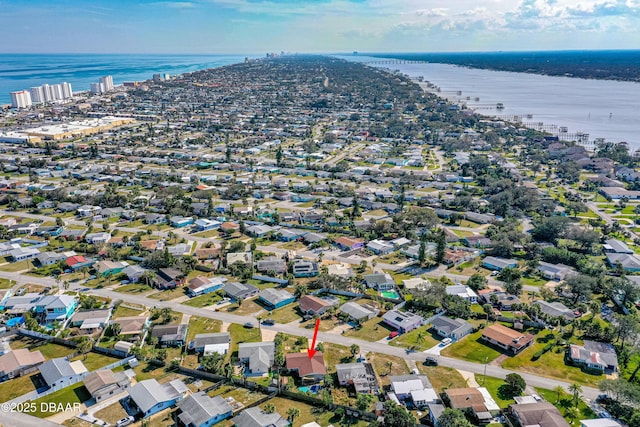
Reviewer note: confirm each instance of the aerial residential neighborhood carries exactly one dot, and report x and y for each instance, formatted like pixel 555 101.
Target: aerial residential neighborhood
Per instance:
pixel 356 252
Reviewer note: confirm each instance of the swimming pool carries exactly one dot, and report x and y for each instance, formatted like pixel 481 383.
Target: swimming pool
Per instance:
pixel 390 294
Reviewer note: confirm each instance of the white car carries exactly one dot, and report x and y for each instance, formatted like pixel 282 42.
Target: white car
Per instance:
pixel 445 341
pixel 125 421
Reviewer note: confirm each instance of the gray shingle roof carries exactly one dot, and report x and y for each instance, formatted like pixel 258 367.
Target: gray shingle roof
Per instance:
pixel 199 408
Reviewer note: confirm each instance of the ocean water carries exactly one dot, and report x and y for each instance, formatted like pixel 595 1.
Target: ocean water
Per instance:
pixel 22 71
pixel 602 108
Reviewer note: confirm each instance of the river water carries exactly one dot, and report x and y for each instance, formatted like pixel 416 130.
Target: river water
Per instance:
pixel 602 108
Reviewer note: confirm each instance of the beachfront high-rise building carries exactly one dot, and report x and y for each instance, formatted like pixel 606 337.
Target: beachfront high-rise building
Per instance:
pixel 104 85
pixel 49 93
pixel 37 94
pixel 108 82
pixel 21 99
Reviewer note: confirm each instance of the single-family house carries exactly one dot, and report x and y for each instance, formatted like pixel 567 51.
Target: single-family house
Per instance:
pixel 305 268
pixel 55 308
pixel 134 272
pixel 275 298
pixel 498 264
pixel 181 221
pixel 237 290
pixel 201 285
pixel 217 342
pixel 310 370
pixel 313 305
pixel 21 254
pixel 593 355
pixel 60 372
pixel 542 414
pixel 555 271
pixel 380 247
pixel 413 389
pixel 630 263
pixel 90 321
pixel 357 312
pixel 257 357
pixel 349 243
pixel 19 362
pixel 105 383
pixel 476 400
pixel 555 309
pixel 340 270
pixel 510 340
pixel 256 417
pixel 204 224
pixel 463 292
pixel 402 321
pixel 616 246
pixel 131 328
pixel 170 335
pixel 359 375
pixel 416 283
pixel 201 410
pixel 271 263
pixel 100 238
pixel 108 268
pixel 451 328
pixel 151 397
pixel 380 281
pixel 169 278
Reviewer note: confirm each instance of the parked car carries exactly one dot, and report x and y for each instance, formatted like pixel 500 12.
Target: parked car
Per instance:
pixel 248 325
pixel 393 334
pixel 431 361
pixel 269 322
pixel 445 341
pixel 125 421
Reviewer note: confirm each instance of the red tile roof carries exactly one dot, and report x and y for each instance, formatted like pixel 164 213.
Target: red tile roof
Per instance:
pixel 305 365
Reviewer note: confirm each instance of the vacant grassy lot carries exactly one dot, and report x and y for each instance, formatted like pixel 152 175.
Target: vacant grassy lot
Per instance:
pixel 550 364
pixel 169 294
pixel 286 314
pixel 421 339
pixel 442 378
pixel 387 366
pixel 202 325
pixel 471 348
pixel 334 354
pixel 372 330
pixel 307 413
pixel 203 300
pixel 247 307
pixel 124 311
pixel 240 334
pixel 95 361
pixel 17 266
pixel 134 288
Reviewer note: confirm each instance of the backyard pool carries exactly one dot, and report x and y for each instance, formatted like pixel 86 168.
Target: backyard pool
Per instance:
pixel 390 294
pixel 313 389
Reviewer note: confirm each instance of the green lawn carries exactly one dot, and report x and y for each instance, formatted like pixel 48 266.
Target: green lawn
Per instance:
pixel 550 364
pixel 442 378
pixel 123 311
pixel 496 389
pixel 334 354
pixel 95 361
pixel 134 288
pixel 533 281
pixel 240 334
pixel 471 348
pixel 51 351
pixel 307 415
pixel 380 364
pixel 566 402
pixel 203 300
pixel 168 294
pixel 419 338
pixel 371 330
pixel 6 283
pixel 16 387
pixel 202 325
pixel 286 314
pixel 17 266
pixel 76 393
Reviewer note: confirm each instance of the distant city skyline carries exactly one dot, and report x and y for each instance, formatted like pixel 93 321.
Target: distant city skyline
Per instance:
pixel 257 26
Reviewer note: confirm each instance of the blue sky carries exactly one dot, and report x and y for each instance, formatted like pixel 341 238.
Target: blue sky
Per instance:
pixel 257 26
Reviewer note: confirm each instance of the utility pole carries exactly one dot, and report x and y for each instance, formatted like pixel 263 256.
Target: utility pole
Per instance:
pixel 484 376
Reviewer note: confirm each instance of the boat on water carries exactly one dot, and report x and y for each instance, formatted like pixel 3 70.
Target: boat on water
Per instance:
pixel 500 106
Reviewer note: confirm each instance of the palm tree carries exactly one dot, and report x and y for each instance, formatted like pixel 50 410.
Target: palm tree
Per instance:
pixel 420 337
pixel 292 413
pixel 559 390
pixel 269 408
pixel 572 414
pixel 575 389
pixel 389 364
